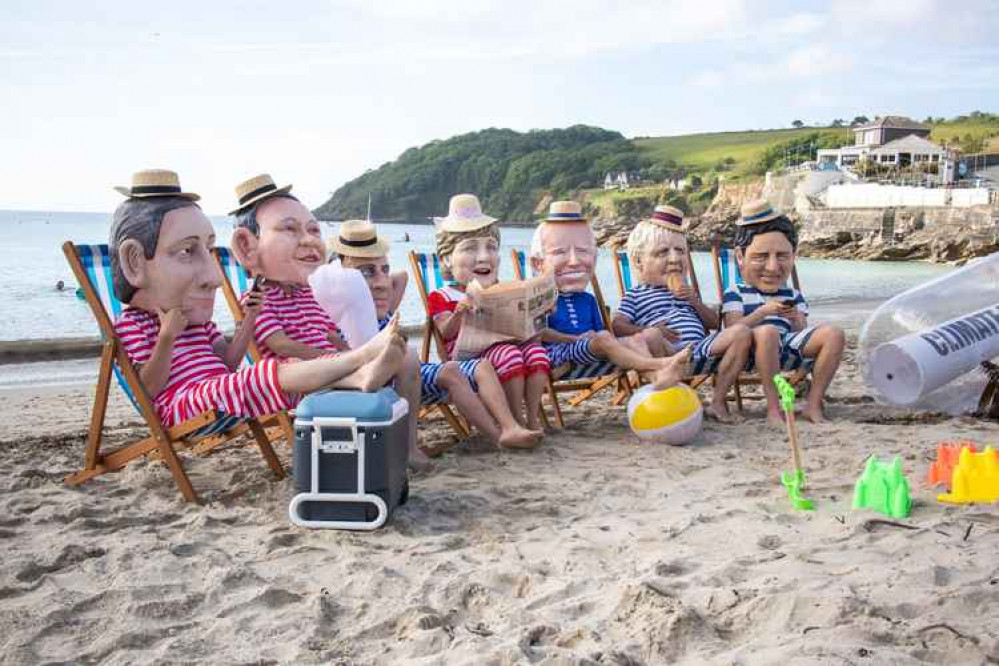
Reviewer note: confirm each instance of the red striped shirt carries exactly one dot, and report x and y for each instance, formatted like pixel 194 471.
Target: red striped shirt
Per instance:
pixel 441 301
pixel 297 315
pixel 192 358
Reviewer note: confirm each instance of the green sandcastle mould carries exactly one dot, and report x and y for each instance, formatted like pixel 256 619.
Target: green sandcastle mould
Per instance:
pixel 883 488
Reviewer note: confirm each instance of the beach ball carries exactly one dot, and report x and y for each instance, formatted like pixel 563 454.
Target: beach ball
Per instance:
pixel 670 416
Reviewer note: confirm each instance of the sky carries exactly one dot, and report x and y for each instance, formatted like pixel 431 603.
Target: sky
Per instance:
pixel 315 93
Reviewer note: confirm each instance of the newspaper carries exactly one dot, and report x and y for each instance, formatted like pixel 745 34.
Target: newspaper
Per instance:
pixel 507 312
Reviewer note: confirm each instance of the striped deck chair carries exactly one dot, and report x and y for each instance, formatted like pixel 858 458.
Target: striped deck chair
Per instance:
pixel 585 380
pixel 727 273
pixel 91 264
pixel 427 273
pixel 625 281
pixel 235 283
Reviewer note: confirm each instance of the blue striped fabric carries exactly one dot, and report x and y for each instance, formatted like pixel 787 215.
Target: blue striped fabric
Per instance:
pixel 625 263
pixel 238 278
pixel 96 260
pixel 648 305
pixel 522 262
pixel 590 371
pixel 430 271
pixel 730 274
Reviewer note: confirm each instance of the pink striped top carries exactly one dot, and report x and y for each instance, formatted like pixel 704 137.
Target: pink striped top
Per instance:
pixel 297 315
pixel 193 358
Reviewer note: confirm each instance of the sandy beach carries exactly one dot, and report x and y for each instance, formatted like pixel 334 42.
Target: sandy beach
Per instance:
pixel 594 549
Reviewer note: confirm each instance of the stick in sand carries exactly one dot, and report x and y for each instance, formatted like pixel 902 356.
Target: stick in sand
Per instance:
pixel 794 481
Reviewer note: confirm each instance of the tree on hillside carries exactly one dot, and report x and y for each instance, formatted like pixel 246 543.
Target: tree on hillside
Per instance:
pixel 860 120
pixel 838 122
pixel 798 124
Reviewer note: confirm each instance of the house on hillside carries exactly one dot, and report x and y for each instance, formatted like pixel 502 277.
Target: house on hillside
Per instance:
pixel 887 129
pixel 892 141
pixel 609 182
pixel 622 181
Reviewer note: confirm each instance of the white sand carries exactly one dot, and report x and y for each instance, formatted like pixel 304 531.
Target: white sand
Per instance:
pixel 594 549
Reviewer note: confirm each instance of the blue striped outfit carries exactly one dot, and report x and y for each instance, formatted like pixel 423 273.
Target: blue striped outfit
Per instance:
pixel 575 313
pixel 745 300
pixel 430 392
pixel 649 305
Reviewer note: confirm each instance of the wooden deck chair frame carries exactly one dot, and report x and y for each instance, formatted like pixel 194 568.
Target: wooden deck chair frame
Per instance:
pixel 432 333
pixel 227 264
pixel 623 274
pixel 584 387
pixel 794 377
pixel 114 361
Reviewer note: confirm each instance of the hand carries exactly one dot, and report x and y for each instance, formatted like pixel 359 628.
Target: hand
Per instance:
pixel 172 323
pixel 254 302
pixel 668 333
pixel 586 335
pixel 774 308
pixel 466 305
pixel 687 293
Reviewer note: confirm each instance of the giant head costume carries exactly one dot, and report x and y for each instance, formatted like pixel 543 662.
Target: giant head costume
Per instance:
pixel 161 248
pixel 359 246
pixel 564 244
pixel 276 237
pixel 766 242
pixel 468 242
pixel 657 248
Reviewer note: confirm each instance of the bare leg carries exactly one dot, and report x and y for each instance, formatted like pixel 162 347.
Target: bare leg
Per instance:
pixel 513 388
pixel 656 342
pixel 672 371
pixel 312 375
pixel 469 405
pixel 511 433
pixel 535 388
pixel 407 383
pixel 605 345
pixel 826 347
pixel 767 341
pixel 733 345
pixel 638 343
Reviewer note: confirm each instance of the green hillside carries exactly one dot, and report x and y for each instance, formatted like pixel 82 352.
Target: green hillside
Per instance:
pixel 704 152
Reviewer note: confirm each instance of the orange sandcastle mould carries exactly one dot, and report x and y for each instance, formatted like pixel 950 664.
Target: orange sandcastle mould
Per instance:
pixel 942 469
pixel 976 478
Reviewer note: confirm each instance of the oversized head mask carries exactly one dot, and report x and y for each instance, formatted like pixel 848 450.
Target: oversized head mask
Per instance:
pixel 162 257
pixel 567 249
pixel 279 239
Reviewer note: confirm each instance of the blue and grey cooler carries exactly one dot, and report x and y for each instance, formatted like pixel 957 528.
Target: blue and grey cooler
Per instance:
pixel 349 459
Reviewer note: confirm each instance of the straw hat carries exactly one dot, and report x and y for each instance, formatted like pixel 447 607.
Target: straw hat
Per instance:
pixel 257 189
pixel 565 211
pixel 464 213
pixel 155 183
pixel 667 217
pixel 755 212
pixel 358 238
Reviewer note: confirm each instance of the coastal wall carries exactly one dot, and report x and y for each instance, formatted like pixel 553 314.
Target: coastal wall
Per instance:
pixel 875 195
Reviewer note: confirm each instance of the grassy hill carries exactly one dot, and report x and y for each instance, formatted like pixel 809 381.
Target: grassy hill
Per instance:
pixel 702 152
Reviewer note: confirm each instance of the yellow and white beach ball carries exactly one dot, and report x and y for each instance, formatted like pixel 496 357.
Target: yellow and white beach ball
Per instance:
pixel 670 416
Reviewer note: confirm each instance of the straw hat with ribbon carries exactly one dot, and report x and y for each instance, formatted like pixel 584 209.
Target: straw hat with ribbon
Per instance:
pixel 565 211
pixel 756 211
pixel 256 189
pixel 358 238
pixel 464 214
pixel 155 183
pixel 667 217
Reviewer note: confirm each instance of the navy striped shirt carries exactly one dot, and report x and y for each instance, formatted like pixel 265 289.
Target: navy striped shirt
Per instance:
pixel 648 305
pixel 745 300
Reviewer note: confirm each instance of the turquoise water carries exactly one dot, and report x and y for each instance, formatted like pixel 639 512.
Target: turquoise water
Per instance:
pixel 33 263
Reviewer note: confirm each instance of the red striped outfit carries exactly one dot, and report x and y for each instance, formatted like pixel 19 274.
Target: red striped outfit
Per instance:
pixel 298 315
pixel 199 379
pixel 510 359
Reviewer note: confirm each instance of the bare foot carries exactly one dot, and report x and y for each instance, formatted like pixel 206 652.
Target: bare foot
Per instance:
pixel 814 414
pixel 775 419
pixel 671 371
pixel 377 372
pixel 519 437
pixel 370 349
pixel 720 413
pixel 418 460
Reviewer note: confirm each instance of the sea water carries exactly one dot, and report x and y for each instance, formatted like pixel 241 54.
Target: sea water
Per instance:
pixel 32 262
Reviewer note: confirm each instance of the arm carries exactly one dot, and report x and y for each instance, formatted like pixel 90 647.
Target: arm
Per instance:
pixel 708 314
pixel 622 327
pixel 155 372
pixel 282 345
pixel 232 352
pixel 768 309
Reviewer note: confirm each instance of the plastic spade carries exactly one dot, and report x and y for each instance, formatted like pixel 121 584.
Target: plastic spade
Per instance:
pixel 794 480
